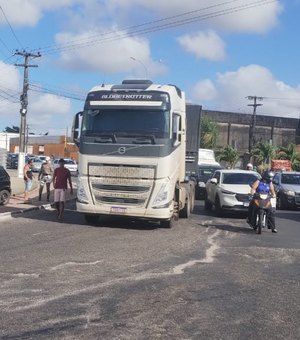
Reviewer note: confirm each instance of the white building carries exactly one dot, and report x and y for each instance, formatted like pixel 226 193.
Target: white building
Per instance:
pixel 5 139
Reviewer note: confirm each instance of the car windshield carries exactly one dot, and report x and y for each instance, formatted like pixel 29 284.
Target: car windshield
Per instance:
pixel 206 172
pixel 239 178
pixel 290 179
pixel 69 161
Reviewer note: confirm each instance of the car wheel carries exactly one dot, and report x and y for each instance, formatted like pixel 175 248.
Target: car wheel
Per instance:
pixel 279 201
pixel 219 210
pixel 4 197
pixel 207 204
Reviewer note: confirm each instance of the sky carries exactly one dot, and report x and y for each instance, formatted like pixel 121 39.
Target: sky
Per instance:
pixel 219 52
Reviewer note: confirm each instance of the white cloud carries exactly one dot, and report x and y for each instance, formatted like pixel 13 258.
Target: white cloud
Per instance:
pixel 256 19
pixel 29 12
pixel 108 53
pixel 229 92
pixel 204 90
pixel 46 111
pixel 205 45
pixel 209 13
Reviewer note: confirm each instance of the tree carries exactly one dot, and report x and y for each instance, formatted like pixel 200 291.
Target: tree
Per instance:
pixel 263 152
pixel 290 153
pixel 13 129
pixel 229 155
pixel 209 133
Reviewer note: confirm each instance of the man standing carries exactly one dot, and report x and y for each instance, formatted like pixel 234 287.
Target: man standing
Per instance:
pixel 61 177
pixel 45 177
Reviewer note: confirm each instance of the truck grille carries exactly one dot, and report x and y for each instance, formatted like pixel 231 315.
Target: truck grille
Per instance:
pixel 121 185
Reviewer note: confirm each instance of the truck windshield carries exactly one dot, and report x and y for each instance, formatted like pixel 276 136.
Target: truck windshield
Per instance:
pixel 126 121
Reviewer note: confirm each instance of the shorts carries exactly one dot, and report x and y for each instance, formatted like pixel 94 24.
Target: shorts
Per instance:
pixel 59 195
pixel 28 185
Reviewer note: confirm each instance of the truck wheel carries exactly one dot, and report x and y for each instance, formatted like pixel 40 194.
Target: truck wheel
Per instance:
pixel 219 210
pixel 192 206
pixel 91 219
pixel 185 212
pixel 168 224
pixel 4 197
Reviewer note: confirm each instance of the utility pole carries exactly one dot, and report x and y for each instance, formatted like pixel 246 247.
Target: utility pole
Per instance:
pixel 24 105
pixel 253 121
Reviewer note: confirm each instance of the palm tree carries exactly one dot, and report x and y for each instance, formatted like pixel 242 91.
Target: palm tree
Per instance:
pixel 229 155
pixel 290 153
pixel 263 152
pixel 209 133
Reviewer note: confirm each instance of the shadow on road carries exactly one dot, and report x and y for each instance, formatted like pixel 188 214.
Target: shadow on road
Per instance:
pixel 72 217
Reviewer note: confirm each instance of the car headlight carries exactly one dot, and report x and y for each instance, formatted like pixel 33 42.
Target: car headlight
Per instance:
pixel 82 196
pixel 289 193
pixel 161 199
pixel 227 192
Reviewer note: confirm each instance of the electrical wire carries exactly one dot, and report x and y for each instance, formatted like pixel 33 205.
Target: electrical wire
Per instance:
pixel 136 30
pixel 11 29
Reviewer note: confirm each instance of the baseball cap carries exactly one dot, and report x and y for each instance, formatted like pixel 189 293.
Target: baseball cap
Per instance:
pixel 47 158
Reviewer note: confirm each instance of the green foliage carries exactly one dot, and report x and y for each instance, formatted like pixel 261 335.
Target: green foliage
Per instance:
pixel 263 152
pixel 229 155
pixel 290 153
pixel 13 129
pixel 209 133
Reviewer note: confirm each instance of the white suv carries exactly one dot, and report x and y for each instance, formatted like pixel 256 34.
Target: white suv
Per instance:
pixel 229 190
pixel 69 164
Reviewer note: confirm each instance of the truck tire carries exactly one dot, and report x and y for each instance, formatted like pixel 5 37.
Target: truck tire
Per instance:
pixel 4 197
pixel 91 219
pixel 193 198
pixel 168 224
pixel 185 212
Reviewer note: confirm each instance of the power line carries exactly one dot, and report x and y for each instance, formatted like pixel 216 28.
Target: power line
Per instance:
pixel 12 31
pixel 36 88
pixel 143 29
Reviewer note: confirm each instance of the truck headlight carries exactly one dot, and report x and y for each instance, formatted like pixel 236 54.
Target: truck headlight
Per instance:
pixel 82 196
pixel 161 199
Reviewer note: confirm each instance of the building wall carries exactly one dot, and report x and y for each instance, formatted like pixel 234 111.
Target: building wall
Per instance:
pixel 58 147
pixel 234 129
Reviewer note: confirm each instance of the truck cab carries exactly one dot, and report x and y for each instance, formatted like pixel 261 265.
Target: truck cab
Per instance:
pixel 131 140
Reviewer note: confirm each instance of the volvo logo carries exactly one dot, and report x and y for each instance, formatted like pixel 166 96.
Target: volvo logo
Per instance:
pixel 122 150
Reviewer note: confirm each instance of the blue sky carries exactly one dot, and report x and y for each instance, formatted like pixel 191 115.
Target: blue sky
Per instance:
pixel 232 49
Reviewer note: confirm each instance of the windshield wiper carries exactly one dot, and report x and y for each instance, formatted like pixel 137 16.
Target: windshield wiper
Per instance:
pixel 107 138
pixel 144 139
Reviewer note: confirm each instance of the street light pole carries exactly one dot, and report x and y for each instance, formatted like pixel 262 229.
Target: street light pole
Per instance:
pixel 144 66
pixel 24 105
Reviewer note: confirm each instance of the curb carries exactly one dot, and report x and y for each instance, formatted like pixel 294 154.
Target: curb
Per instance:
pixel 8 215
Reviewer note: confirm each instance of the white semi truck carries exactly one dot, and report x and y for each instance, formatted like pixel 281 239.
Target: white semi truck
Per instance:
pixel 132 152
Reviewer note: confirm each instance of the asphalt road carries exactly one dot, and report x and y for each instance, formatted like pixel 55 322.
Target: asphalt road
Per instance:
pixel 207 278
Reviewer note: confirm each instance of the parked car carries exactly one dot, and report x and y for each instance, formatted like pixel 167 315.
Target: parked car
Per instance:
pixel 36 164
pixel 5 186
pixel 228 190
pixel 287 187
pixel 69 164
pixel 205 172
pixel 10 160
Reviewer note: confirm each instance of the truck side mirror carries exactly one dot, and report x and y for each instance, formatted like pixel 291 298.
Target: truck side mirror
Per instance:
pixel 75 128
